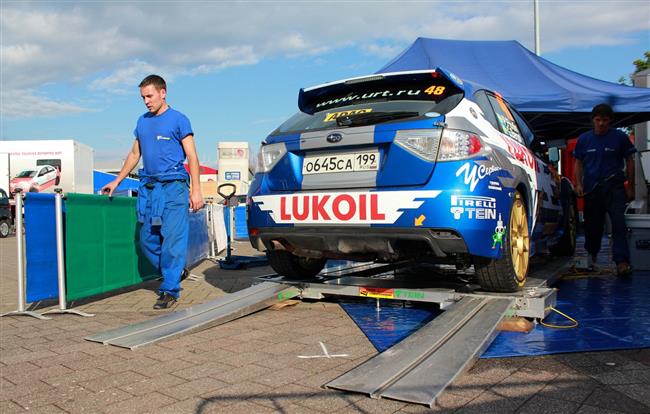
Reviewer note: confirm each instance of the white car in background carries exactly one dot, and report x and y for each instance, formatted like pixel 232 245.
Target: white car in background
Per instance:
pixel 35 180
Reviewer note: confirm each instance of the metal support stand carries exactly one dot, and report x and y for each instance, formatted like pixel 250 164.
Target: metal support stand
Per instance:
pixel 60 261
pixel 232 262
pixel 20 244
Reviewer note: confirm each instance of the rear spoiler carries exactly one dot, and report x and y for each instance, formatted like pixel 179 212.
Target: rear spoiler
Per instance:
pixel 312 99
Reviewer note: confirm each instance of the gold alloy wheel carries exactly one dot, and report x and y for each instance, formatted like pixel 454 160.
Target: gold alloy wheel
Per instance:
pixel 519 240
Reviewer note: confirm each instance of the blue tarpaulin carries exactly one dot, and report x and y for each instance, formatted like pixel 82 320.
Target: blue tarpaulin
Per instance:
pixel 100 179
pixel 612 313
pixel 391 323
pixel 40 247
pixel 556 101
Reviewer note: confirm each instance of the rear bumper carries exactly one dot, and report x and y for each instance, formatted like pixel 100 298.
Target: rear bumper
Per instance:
pixel 359 242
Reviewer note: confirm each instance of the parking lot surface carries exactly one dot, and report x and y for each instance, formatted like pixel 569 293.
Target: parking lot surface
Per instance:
pixel 251 365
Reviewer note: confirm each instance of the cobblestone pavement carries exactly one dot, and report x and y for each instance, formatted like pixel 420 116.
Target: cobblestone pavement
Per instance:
pixel 251 365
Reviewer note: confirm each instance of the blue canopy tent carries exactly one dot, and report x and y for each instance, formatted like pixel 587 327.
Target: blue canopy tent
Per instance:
pixel 557 102
pixel 100 179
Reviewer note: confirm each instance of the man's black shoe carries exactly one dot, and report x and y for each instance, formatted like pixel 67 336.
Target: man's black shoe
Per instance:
pixel 165 300
pixel 185 274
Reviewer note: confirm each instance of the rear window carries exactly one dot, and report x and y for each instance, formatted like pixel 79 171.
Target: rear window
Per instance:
pixel 327 119
pixel 418 93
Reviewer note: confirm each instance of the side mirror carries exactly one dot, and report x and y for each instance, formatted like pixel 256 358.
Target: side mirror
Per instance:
pixel 554 154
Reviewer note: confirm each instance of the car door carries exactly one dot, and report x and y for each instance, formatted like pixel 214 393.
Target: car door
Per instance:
pixel 41 177
pixel 548 180
pixel 499 114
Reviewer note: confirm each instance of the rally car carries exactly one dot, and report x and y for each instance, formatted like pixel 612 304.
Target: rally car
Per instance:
pixel 414 166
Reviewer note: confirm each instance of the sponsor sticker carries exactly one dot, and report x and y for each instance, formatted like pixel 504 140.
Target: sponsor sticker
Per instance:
pixel 408 294
pixel 499 234
pixel 332 116
pixel 380 293
pixel 473 173
pixel 473 207
pixel 381 207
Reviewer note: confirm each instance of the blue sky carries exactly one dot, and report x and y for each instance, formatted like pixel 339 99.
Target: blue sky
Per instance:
pixel 70 69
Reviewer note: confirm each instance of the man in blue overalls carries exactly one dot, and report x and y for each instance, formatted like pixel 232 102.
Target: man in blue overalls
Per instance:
pixel 600 179
pixel 164 137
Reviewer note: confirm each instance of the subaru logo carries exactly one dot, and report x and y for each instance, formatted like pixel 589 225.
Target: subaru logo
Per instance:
pixel 334 138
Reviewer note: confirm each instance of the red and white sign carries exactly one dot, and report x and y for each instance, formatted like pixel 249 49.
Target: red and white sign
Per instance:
pixel 381 207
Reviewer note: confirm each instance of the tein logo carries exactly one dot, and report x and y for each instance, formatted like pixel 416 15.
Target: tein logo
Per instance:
pixel 334 138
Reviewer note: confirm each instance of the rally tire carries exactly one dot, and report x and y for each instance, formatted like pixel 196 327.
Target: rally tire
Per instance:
pixel 292 266
pixel 566 246
pixel 57 180
pixel 5 228
pixel 508 274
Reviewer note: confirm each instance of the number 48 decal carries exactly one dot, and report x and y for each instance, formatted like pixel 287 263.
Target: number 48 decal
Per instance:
pixel 435 90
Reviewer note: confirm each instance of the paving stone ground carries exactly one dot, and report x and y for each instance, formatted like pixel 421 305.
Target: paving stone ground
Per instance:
pixel 251 365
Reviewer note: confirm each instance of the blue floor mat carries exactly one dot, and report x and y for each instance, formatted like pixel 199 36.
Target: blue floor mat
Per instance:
pixel 613 313
pixel 392 323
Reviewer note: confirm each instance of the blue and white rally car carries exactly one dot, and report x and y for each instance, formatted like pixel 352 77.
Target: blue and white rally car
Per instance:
pixel 408 166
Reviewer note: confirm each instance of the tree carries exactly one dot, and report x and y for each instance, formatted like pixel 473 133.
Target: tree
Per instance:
pixel 642 64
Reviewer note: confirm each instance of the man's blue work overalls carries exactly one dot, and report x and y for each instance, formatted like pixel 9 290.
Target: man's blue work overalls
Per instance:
pixel 163 210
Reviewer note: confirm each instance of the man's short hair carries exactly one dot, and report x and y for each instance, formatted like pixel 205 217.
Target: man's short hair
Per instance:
pixel 157 81
pixel 602 110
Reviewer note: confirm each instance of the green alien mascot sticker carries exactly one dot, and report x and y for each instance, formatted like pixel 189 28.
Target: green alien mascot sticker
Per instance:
pixel 499 233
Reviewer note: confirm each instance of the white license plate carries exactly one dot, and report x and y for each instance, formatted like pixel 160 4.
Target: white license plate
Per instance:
pixel 345 162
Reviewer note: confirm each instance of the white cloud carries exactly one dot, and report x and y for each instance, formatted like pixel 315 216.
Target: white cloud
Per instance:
pixel 131 75
pixel 26 104
pixel 111 45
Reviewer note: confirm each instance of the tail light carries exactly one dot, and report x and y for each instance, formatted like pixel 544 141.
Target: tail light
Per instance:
pixel 269 156
pixel 456 144
pixel 421 142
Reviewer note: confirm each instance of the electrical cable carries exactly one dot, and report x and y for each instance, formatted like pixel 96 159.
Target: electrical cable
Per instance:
pixel 548 325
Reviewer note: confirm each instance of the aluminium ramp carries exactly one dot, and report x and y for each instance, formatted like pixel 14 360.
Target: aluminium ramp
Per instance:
pixel 420 367
pixel 203 316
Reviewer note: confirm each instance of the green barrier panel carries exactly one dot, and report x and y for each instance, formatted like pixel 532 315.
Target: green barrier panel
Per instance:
pixel 101 242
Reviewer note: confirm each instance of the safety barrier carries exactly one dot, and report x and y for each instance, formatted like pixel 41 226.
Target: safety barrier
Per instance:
pixel 100 251
pixel 40 247
pixel 241 229
pixel 101 247
pixel 198 247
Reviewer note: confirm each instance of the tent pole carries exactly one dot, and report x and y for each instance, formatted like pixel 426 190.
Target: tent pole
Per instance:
pixel 538 51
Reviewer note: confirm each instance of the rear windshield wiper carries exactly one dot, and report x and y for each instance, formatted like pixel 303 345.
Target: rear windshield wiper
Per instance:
pixel 373 117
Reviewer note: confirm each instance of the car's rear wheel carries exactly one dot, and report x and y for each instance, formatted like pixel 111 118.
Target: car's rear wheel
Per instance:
pixel 292 266
pixel 5 228
pixel 57 180
pixel 508 274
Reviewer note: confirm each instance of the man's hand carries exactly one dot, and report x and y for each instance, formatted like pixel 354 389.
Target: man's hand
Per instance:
pixel 196 200
pixel 579 190
pixel 110 187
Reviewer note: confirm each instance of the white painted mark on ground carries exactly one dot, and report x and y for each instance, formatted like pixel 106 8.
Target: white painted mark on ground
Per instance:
pixel 324 355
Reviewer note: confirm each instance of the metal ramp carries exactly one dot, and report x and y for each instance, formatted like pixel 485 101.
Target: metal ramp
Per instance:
pixel 419 368
pixel 203 316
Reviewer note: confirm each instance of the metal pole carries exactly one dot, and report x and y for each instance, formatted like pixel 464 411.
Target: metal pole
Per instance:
pixel 538 50
pixel 60 258
pixel 213 236
pixel 20 247
pixel 231 224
